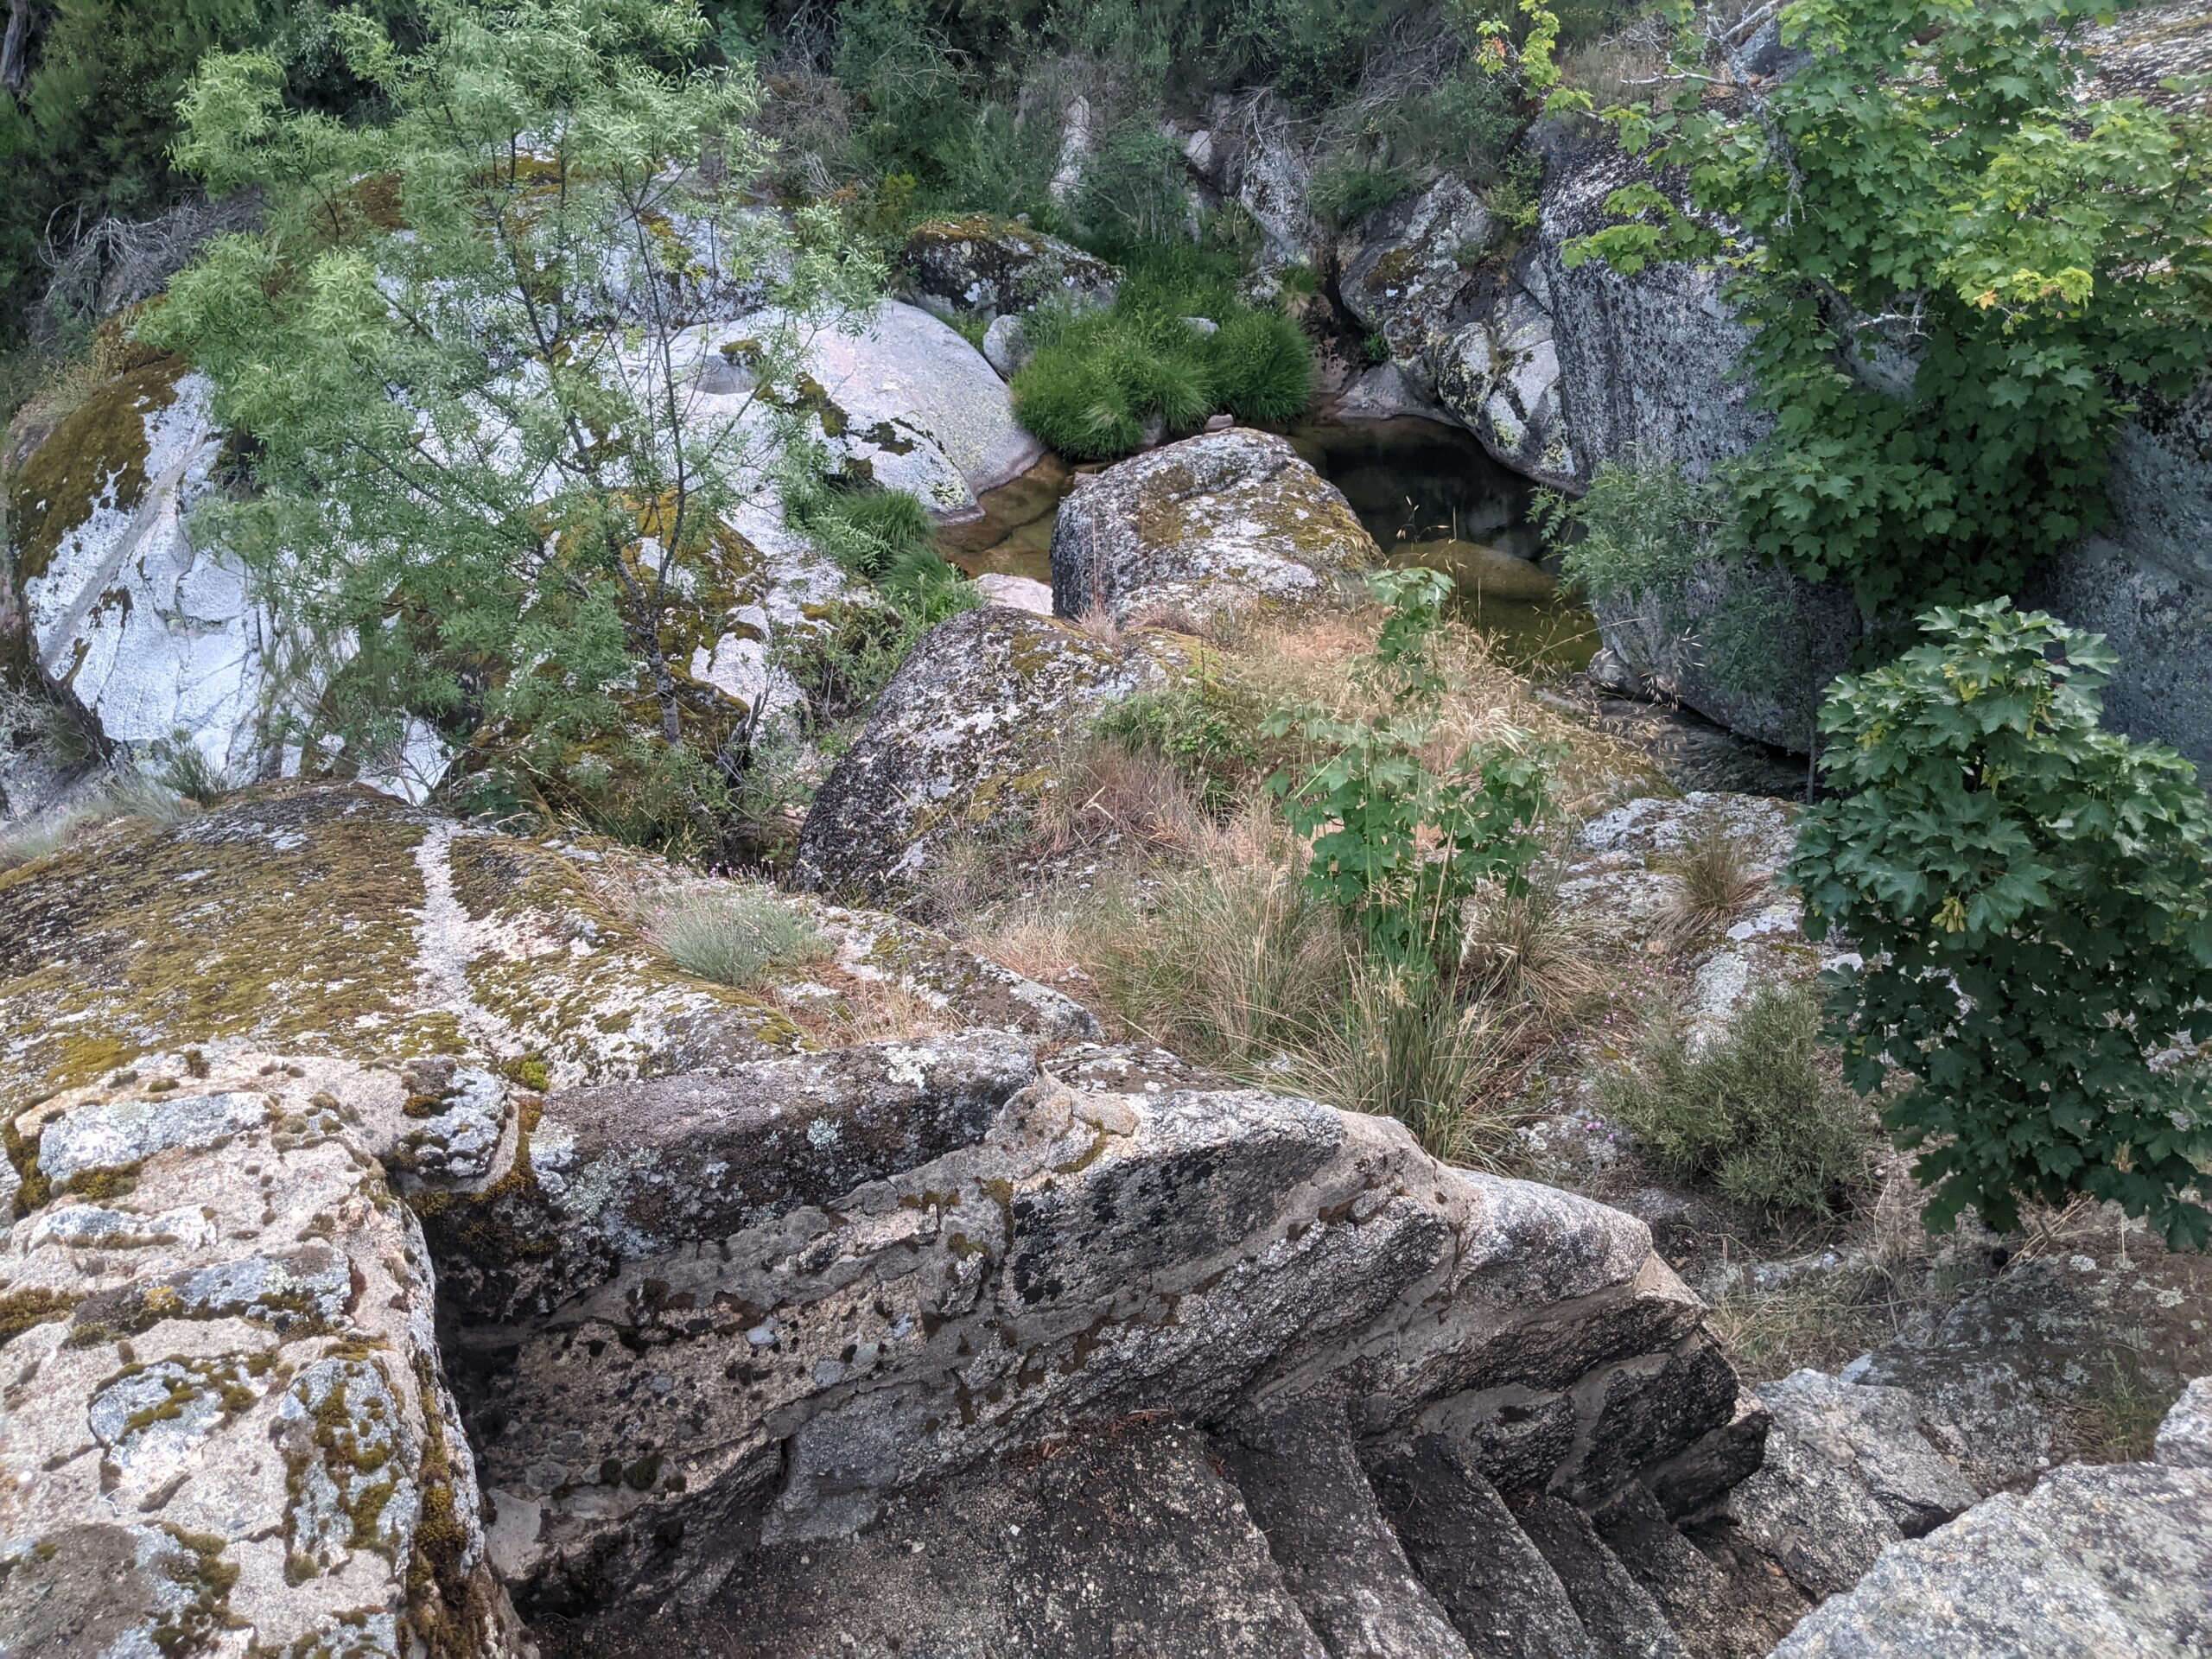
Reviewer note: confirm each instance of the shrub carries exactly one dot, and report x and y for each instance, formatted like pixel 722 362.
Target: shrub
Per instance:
pixel 1757 1112
pixel 2032 896
pixel 1263 368
pixel 1644 523
pixel 1400 847
pixel 735 935
pixel 1346 192
pixel 1098 376
pixel 1206 733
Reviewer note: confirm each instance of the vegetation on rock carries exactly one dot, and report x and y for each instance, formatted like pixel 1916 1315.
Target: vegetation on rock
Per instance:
pixel 1958 272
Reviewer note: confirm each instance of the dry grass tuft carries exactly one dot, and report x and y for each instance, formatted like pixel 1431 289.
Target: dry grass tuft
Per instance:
pixel 1528 953
pixel 1111 792
pixel 1720 877
pixel 736 935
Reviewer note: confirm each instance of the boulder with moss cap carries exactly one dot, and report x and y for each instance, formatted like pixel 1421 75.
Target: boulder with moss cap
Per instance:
pixel 1223 521
pixel 980 266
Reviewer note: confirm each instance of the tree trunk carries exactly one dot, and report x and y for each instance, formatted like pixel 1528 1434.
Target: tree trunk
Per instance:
pixel 16 47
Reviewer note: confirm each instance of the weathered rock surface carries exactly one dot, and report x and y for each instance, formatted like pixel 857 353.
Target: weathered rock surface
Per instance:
pixel 2105 1561
pixel 1874 1435
pixel 963 740
pixel 1468 319
pixel 1091 1255
pixel 987 267
pixel 1222 521
pixel 226 1428
pixel 339 922
pixel 1119 1543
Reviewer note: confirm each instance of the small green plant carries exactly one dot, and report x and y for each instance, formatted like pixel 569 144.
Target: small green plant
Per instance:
pixel 1757 1111
pixel 1300 279
pixel 187 769
pixel 735 936
pixel 2032 897
pixel 1644 523
pixel 1718 866
pixel 1398 846
pixel 1517 198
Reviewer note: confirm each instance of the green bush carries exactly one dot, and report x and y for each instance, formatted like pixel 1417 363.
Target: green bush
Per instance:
pixel 734 937
pixel 1207 734
pixel 1399 846
pixel 1099 376
pixel 2032 897
pixel 1757 1111
pixel 1347 193
pixel 2038 257
pixel 1643 524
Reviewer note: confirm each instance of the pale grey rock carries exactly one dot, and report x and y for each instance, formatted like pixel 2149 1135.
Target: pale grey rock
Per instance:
pixel 1016 592
pixel 2159 622
pixel 235 1435
pixel 1810 1516
pixel 963 742
pixel 2109 1562
pixel 1873 1434
pixel 2186 1437
pixel 1007 347
pixel 1214 523
pixel 151 631
pixel 110 1137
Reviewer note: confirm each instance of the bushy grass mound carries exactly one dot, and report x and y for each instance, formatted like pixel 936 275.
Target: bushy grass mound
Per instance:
pixel 1758 1112
pixel 736 937
pixel 1098 376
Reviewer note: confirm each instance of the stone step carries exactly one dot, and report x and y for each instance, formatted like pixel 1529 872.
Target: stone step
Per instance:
pixel 1302 1481
pixel 1496 1586
pixel 1620 1617
pixel 1123 1543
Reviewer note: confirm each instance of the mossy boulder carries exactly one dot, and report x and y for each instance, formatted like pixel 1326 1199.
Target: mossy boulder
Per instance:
pixel 1224 521
pixel 150 632
pixel 336 921
pixel 966 740
pixel 977 265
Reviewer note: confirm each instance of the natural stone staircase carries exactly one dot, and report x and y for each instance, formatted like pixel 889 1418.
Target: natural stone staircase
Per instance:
pixel 1279 1538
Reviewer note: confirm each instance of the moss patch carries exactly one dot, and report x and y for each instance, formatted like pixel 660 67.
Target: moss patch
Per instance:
pixel 95 456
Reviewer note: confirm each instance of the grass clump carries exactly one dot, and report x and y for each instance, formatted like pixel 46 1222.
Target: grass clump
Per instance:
pixel 1758 1112
pixel 1721 877
pixel 1100 377
pixel 1407 1046
pixel 735 936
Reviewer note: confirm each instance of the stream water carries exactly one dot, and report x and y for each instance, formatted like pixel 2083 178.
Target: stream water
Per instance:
pixel 1427 493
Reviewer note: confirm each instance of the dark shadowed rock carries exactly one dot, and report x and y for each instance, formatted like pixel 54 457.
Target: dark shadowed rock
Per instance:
pixel 1303 1483
pixel 1501 1594
pixel 1619 1615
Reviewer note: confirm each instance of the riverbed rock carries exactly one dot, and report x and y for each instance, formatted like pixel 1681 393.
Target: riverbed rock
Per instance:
pixel 981 266
pixel 1222 521
pixel 334 921
pixel 227 1425
pixel 964 741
